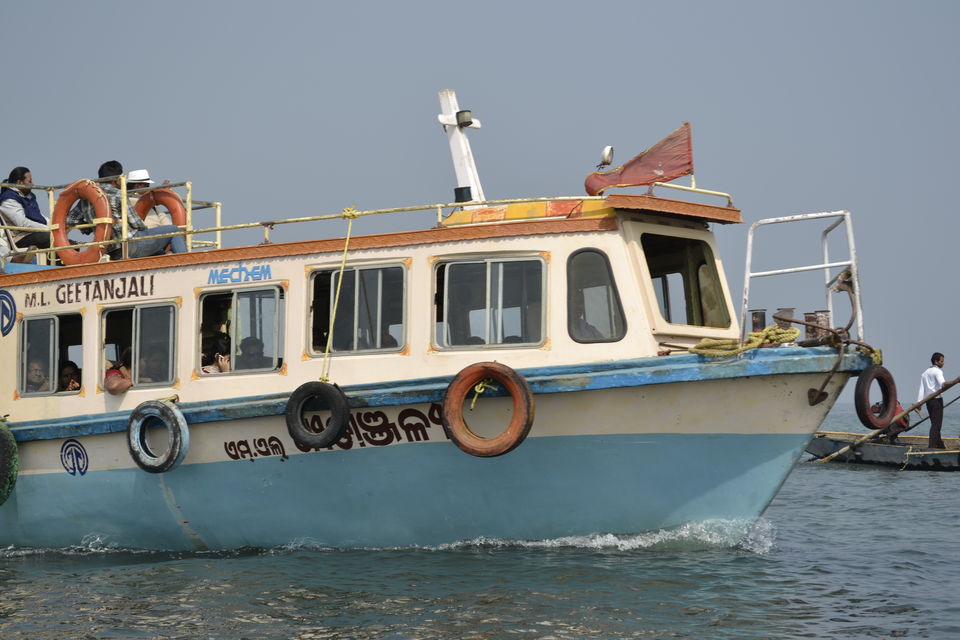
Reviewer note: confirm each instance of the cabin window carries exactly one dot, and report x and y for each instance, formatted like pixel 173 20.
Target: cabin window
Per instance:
pixel 241 331
pixel 490 302
pixel 369 311
pixel 685 281
pixel 142 339
pixel 51 355
pixel 594 313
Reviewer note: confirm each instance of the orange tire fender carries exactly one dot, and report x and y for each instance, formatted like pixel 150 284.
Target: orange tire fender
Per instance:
pixel 89 191
pixel 165 198
pixel 456 426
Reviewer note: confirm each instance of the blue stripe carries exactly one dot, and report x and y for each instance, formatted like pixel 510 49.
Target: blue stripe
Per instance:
pixel 411 494
pixel 543 380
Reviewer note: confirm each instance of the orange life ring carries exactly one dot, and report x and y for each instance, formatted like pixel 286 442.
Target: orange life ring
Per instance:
pixel 165 198
pixel 89 191
pixel 452 410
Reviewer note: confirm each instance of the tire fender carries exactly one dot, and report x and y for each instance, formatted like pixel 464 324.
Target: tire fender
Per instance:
pixel 456 426
pixel 9 462
pixel 158 413
pixel 317 396
pixel 861 397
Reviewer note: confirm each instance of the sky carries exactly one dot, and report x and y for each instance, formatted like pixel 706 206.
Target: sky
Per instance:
pixel 288 109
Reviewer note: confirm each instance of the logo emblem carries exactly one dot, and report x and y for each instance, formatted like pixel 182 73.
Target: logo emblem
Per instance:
pixel 8 312
pixel 74 458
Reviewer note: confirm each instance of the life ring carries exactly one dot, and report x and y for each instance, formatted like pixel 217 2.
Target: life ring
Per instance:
pixel 89 191
pixel 320 396
pixel 903 423
pixel 164 198
pixel 158 413
pixel 861 397
pixel 456 426
pixel 9 462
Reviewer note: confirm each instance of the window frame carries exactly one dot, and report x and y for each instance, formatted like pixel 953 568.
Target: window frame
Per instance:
pixel 54 363
pixel 616 296
pixel 443 298
pixel 660 303
pixel 173 377
pixel 356 270
pixel 279 322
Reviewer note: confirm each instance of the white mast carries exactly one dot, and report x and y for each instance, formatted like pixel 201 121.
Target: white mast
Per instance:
pixel 454 122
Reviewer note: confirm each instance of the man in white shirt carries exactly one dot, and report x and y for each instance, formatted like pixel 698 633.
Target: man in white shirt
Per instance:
pixel 932 381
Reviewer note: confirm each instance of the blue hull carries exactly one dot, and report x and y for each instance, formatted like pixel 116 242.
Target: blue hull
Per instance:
pixel 425 494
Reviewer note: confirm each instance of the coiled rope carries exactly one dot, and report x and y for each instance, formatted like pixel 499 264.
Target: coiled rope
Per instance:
pixel 717 348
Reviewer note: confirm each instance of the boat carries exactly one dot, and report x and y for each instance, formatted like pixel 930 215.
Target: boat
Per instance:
pixel 521 370
pixel 906 452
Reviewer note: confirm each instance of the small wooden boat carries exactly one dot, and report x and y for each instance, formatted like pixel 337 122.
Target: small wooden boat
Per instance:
pixel 908 452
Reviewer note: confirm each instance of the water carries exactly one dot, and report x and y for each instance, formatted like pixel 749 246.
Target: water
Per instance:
pixel 843 552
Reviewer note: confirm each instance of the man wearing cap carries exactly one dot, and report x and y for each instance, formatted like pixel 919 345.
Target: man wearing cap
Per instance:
pixel 82 213
pixel 140 179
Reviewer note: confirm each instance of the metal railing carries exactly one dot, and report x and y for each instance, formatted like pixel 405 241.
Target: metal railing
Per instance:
pixel 190 206
pixel 842 217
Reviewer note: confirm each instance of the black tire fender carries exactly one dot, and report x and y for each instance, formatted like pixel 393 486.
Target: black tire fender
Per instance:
pixel 317 396
pixel 158 413
pixel 861 397
pixel 9 462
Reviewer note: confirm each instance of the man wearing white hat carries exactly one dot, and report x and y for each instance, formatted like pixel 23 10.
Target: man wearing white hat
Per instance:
pixel 140 179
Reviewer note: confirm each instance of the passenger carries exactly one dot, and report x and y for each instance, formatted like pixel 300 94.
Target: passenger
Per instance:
pixel 37 380
pixel 152 365
pixel 82 213
pixel 69 377
pixel 251 355
pixel 932 381
pixel 140 179
pixel 217 360
pixel 19 208
pixel 120 378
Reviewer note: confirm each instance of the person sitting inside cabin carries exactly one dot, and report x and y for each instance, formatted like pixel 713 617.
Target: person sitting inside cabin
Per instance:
pixel 140 179
pixel 251 355
pixel 37 380
pixel 19 208
pixel 119 378
pixel 217 359
pixel 69 377
pixel 82 213
pixel 152 365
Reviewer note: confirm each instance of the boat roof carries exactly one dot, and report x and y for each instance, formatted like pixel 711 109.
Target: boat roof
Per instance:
pixel 593 208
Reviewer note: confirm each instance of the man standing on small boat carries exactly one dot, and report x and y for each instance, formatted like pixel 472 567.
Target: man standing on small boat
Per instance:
pixel 932 381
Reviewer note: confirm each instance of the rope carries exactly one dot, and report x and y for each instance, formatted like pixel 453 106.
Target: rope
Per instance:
pixel 350 213
pixel 715 348
pixel 479 388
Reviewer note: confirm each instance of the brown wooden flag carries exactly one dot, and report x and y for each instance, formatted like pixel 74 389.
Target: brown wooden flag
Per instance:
pixel 670 158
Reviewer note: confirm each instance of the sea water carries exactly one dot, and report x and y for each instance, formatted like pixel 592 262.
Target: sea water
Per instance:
pixel 843 552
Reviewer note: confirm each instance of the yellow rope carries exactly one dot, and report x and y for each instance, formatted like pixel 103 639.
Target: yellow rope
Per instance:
pixel 350 213
pixel 479 388
pixel 871 352
pixel 714 348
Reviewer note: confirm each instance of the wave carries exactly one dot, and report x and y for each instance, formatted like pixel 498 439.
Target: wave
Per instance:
pixel 754 536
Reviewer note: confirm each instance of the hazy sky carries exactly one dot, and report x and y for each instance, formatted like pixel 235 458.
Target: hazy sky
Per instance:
pixel 286 109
